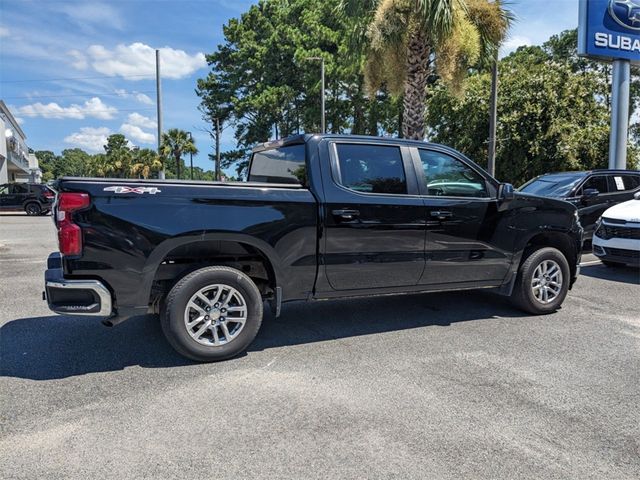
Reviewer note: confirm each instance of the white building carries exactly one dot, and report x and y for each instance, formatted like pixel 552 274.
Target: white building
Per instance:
pixel 17 163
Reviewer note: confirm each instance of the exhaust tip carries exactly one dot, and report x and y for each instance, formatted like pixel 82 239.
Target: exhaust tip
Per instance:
pixel 107 323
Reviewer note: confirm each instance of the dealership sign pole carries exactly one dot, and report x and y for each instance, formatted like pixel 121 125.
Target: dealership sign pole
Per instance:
pixel 609 30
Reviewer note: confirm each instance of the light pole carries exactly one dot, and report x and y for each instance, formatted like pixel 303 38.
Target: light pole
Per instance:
pixel 493 117
pixel 620 81
pixel 322 119
pixel 217 172
pixel 191 155
pixel 159 109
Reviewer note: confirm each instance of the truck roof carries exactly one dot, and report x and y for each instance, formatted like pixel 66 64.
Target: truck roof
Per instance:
pixel 305 137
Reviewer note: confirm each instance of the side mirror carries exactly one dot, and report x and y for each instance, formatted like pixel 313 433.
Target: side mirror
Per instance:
pixel 590 193
pixel 506 191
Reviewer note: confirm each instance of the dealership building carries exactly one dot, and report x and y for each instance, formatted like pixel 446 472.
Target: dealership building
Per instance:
pixel 18 163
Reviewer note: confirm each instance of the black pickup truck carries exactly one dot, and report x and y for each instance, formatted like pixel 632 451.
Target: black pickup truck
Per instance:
pixel 322 216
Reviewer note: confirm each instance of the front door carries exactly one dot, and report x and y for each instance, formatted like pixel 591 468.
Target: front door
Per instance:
pixel 462 219
pixel 374 218
pixel 4 196
pixel 13 195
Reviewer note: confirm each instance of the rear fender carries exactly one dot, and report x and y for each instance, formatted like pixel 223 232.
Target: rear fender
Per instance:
pixel 161 251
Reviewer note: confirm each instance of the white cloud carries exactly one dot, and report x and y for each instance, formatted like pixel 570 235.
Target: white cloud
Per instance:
pixel 138 60
pixel 136 133
pixel 89 138
pixel 19 120
pixel 4 32
pixel 93 107
pixel 140 97
pixel 79 60
pixel 141 121
pixel 101 14
pixel 513 42
pixel 133 128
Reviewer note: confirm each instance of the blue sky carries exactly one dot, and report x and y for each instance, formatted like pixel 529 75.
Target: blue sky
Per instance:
pixel 107 47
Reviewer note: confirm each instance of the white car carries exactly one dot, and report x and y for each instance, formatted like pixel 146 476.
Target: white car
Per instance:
pixel 617 237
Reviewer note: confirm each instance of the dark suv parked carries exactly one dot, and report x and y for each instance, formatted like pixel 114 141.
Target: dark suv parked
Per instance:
pixel 33 198
pixel 591 192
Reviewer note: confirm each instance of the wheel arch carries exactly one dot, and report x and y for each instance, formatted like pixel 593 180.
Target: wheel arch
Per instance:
pixel 196 251
pixel 558 239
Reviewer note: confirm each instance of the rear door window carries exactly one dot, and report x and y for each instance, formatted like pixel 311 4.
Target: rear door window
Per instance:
pixel 624 183
pixel 279 165
pixel 371 168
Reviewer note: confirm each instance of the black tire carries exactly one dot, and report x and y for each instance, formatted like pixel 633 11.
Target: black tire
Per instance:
pixel 172 315
pixel 523 296
pixel 33 209
pixel 610 264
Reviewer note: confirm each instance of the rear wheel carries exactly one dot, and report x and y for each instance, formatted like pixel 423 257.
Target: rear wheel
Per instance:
pixel 543 282
pixel 33 208
pixel 212 314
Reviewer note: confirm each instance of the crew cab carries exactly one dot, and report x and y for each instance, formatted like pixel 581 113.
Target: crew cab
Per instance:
pixel 321 216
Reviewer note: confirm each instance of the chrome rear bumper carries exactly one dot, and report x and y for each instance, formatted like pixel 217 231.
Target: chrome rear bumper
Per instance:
pixel 75 297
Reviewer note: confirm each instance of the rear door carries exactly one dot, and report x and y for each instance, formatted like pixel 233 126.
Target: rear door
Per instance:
pixel 374 217
pixel 622 187
pixel 463 221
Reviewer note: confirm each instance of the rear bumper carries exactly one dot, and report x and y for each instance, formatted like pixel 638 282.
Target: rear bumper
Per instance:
pixel 75 297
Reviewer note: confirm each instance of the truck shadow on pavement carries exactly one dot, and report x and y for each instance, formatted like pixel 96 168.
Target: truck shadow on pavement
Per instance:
pixel 55 347
pixel 620 274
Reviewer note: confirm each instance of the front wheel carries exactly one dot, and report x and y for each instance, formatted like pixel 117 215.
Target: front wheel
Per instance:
pixel 543 282
pixel 212 314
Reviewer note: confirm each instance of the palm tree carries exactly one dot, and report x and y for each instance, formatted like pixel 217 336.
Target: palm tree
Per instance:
pixel 100 165
pixel 177 142
pixel 407 38
pixel 144 162
pixel 118 155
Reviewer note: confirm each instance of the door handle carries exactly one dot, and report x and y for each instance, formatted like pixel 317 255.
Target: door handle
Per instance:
pixel 441 214
pixel 346 214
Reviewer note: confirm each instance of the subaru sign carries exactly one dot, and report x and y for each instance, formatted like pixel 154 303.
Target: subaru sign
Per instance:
pixel 610 30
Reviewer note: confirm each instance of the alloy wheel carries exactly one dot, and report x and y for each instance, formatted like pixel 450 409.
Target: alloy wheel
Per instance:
pixel 215 315
pixel 546 283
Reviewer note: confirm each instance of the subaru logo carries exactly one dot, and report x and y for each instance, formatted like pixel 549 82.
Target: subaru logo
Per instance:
pixel 626 13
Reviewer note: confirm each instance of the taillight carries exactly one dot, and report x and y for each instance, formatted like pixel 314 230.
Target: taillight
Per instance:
pixel 48 194
pixel 69 234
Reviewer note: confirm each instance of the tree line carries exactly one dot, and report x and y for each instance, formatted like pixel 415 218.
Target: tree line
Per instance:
pixel 414 69
pixel 121 159
pixel 408 68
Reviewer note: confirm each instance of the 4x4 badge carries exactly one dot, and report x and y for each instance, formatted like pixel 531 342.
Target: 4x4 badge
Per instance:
pixel 138 190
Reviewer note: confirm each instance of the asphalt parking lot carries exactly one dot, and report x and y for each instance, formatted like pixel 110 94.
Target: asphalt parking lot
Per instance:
pixel 456 385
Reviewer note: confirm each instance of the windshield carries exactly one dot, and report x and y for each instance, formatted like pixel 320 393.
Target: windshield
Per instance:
pixel 551 185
